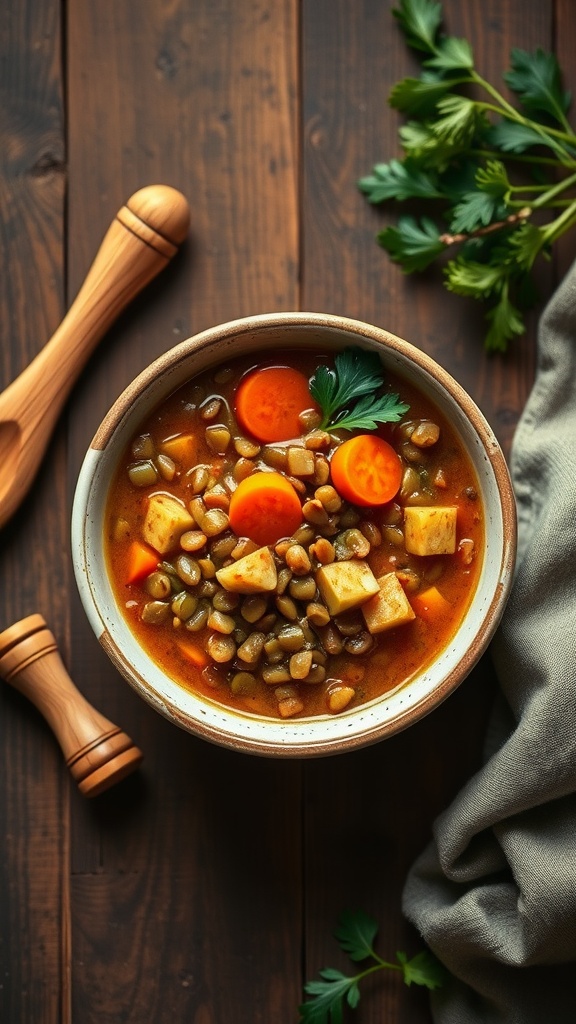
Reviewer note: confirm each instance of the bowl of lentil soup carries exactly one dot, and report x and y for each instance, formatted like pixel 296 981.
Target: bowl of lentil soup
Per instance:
pixel 294 534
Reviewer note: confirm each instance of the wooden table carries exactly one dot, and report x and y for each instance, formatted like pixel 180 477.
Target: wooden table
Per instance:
pixel 207 887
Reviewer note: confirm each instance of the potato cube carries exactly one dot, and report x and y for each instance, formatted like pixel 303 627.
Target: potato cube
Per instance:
pixel 345 584
pixel 255 573
pixel 300 461
pixel 166 520
pixel 430 530
pixel 182 448
pixel 389 607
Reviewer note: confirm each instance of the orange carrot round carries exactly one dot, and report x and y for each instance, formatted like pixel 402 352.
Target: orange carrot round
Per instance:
pixel 269 401
pixel 366 470
pixel 265 507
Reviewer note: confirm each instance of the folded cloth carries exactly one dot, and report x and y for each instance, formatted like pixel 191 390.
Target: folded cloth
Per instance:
pixel 494 895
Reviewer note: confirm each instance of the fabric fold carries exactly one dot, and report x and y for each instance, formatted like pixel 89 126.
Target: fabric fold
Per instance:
pixel 494 894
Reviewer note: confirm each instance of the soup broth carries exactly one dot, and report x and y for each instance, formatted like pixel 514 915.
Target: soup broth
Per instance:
pixel 349 604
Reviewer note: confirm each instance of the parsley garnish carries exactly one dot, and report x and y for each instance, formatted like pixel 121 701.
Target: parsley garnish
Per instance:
pixel 347 395
pixel 485 166
pixel 356 934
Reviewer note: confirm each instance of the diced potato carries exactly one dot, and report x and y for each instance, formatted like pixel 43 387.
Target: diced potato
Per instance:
pixel 300 461
pixel 430 604
pixel 182 448
pixel 255 573
pixel 389 607
pixel 345 584
pixel 166 520
pixel 430 530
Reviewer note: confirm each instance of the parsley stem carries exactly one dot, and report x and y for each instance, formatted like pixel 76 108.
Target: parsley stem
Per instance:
pixel 549 135
pixel 490 154
pixel 557 227
pixel 385 963
pixel 495 94
pixel 556 190
pixel 379 966
pixel 553 137
pixel 557 203
pixel 566 135
pixel 530 188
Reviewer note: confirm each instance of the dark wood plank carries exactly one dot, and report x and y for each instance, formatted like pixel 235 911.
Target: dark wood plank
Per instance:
pixel 33 566
pixel 191 881
pixel 186 884
pixel 563 44
pixel 369 814
pixel 351 59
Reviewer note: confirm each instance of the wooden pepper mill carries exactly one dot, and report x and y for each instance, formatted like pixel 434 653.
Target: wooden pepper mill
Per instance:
pixel 97 752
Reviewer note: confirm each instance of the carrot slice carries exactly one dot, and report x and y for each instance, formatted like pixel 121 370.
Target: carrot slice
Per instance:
pixel 265 507
pixel 269 401
pixel 195 654
pixel 431 604
pixel 142 560
pixel 366 470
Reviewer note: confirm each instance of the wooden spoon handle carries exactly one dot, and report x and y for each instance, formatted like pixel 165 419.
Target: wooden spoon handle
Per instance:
pixel 97 752
pixel 140 242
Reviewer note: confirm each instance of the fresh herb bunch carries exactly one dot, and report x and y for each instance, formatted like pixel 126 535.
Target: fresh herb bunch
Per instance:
pixel 464 156
pixel 356 934
pixel 347 395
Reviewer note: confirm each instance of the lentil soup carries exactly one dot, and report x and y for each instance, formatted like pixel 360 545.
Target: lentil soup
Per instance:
pixel 341 607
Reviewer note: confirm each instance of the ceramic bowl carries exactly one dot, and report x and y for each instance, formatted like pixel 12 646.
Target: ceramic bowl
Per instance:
pixel 303 737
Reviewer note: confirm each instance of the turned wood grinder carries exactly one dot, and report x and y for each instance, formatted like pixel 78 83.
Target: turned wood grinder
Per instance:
pixel 98 753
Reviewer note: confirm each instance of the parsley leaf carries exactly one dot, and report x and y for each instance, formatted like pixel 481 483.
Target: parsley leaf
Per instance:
pixel 332 990
pixel 419 21
pixel 369 412
pixel 329 994
pixel 348 394
pixel 356 933
pixel 417 96
pixel 465 277
pixel 493 179
pixel 399 181
pixel 524 245
pixel 505 322
pixel 491 168
pixel 459 120
pixel 414 245
pixel 513 137
pixel 473 209
pixel 483 205
pixel 452 55
pixel 422 969
pixel 536 79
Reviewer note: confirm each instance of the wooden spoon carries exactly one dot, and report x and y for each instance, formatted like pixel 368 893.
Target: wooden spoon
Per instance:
pixel 141 241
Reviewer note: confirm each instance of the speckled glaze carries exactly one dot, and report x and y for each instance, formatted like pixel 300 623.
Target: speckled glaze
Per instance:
pixel 307 737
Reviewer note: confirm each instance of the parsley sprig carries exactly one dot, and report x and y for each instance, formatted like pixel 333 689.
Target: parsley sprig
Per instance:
pixel 333 990
pixel 486 167
pixel 348 395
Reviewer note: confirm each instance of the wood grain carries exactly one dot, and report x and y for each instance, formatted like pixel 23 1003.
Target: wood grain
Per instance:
pixel 34 834
pixel 348 127
pixel 207 886
pixel 192 874
pixel 368 816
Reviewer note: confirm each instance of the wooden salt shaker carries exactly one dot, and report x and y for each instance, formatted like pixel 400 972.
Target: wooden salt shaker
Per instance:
pixel 98 753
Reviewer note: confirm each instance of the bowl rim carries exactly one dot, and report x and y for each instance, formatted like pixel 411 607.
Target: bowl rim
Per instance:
pixel 219 728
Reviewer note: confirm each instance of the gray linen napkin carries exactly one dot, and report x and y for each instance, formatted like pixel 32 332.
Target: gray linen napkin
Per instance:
pixel 494 895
